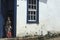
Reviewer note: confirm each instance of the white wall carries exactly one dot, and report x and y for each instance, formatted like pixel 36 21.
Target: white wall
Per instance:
pixel 49 18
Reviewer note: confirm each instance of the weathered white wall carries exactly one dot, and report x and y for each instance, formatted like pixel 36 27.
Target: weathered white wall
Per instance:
pixel 49 18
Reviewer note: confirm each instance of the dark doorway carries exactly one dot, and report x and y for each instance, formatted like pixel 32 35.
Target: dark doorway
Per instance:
pixel 8 11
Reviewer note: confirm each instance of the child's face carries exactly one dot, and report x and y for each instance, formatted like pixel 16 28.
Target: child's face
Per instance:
pixel 8 18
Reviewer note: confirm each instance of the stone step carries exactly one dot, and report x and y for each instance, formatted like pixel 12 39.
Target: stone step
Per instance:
pixel 33 38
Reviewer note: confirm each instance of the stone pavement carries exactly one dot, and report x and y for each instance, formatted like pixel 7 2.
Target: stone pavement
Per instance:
pixel 57 38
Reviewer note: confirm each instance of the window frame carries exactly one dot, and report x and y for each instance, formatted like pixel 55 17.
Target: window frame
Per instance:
pixel 37 15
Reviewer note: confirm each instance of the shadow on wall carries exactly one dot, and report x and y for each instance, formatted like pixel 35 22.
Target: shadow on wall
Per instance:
pixel 44 1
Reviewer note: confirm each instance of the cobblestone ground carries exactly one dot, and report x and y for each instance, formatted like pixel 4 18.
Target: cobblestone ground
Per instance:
pixel 57 38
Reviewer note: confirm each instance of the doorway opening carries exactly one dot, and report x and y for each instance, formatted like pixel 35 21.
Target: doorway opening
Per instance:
pixel 9 13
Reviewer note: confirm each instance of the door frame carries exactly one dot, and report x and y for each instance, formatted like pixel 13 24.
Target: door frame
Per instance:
pixel 15 12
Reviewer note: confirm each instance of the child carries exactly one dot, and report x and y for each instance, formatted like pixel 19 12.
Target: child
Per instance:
pixel 8 28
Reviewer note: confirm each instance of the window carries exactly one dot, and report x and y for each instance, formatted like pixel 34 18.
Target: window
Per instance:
pixel 32 11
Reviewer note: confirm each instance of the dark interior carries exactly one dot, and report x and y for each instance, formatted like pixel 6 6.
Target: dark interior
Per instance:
pixel 8 10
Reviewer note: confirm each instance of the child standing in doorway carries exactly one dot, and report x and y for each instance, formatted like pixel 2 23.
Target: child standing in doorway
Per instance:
pixel 8 28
